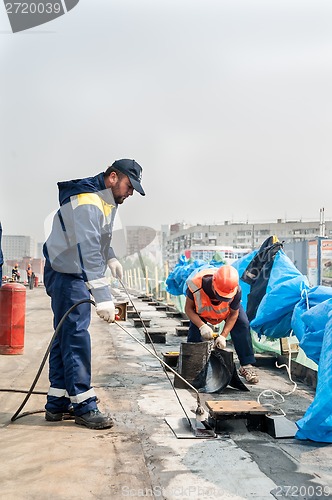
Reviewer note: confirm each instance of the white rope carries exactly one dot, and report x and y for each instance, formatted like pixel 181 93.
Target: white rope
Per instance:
pixel 288 367
pixel 271 393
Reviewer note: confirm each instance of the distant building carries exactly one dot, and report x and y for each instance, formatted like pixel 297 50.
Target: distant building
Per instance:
pixel 17 247
pixel 138 238
pixel 228 254
pixel 22 250
pixel 239 235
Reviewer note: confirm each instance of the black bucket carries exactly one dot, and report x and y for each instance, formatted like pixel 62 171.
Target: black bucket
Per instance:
pixel 192 366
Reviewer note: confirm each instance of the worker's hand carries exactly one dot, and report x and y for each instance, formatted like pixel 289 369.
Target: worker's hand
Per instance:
pixel 106 311
pixel 116 268
pixel 206 332
pixel 220 342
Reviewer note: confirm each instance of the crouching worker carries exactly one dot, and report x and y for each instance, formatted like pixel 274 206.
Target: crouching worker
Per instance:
pixel 213 296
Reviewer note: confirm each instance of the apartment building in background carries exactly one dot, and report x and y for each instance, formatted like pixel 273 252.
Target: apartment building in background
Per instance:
pixel 21 249
pixel 138 238
pixel 18 246
pixel 238 236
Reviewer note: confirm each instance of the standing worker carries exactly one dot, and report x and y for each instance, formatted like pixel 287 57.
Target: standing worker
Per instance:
pixel 30 276
pixel 213 296
pixel 77 254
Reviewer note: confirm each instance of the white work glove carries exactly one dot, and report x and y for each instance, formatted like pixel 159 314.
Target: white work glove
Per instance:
pixel 206 332
pixel 116 268
pixel 220 342
pixel 106 311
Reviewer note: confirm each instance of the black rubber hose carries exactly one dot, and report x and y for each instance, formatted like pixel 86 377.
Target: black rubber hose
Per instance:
pixel 30 391
pixel 22 391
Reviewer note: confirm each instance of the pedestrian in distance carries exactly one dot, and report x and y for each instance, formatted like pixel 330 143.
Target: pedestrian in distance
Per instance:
pixel 77 254
pixel 16 273
pixel 214 296
pixel 30 277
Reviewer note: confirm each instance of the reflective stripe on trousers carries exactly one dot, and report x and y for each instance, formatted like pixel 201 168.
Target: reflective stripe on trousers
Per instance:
pixel 70 356
pixel 79 398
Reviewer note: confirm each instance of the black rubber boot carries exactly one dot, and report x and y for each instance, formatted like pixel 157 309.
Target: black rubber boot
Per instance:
pixel 61 415
pixel 94 419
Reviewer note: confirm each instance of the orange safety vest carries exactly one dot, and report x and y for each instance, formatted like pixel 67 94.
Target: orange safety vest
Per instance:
pixel 213 313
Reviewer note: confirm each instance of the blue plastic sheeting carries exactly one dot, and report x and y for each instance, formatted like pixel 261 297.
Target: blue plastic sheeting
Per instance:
pixel 289 304
pixel 185 268
pixel 309 320
pixel 316 424
pixel 192 274
pixel 283 292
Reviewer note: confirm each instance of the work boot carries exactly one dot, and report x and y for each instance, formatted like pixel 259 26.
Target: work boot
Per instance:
pixel 60 415
pixel 249 373
pixel 94 419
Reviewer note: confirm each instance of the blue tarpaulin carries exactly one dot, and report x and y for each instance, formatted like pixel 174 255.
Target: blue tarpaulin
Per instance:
pixel 184 269
pixel 283 292
pixel 176 280
pixel 309 320
pixel 316 424
pixel 290 304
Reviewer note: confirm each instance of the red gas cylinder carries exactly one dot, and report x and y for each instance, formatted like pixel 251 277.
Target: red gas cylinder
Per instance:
pixel 12 318
pixel 36 281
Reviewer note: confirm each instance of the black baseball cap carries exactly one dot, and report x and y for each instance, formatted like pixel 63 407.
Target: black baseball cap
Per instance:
pixel 133 170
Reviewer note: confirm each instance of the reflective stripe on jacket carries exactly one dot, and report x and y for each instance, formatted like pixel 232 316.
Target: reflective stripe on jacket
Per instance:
pixel 212 313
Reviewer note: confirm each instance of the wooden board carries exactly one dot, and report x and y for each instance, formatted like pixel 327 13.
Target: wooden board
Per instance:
pixel 235 407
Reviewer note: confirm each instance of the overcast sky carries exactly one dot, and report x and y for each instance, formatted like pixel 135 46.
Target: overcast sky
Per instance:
pixel 226 104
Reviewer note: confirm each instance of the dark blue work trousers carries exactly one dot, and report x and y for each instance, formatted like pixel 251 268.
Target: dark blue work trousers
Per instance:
pixel 240 335
pixel 70 355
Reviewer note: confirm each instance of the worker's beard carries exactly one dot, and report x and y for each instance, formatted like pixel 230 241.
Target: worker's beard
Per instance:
pixel 119 198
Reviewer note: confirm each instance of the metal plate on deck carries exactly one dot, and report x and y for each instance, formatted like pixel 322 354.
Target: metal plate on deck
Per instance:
pixel 182 429
pixel 278 426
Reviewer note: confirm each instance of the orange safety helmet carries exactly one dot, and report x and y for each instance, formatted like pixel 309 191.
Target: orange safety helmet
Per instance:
pixel 226 281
